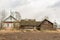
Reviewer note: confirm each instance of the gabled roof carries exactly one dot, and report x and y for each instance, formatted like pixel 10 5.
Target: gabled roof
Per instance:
pixel 48 20
pixel 8 17
pixel 45 20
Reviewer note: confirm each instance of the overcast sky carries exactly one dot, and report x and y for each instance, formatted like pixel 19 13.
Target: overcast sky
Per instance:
pixel 34 9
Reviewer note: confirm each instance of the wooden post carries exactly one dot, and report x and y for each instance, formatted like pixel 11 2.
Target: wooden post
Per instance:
pixel 14 25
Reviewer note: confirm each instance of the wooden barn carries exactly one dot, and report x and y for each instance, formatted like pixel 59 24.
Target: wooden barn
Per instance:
pixel 10 22
pixel 28 24
pixel 46 25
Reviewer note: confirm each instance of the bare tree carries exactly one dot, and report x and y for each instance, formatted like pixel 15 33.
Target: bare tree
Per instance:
pixel 15 14
pixel 11 14
pixel 18 15
pixel 2 17
pixel 46 17
pixel 3 14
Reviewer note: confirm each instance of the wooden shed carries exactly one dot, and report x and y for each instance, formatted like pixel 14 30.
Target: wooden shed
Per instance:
pixel 46 25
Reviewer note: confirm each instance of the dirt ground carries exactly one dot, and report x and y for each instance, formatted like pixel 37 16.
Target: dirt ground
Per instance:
pixel 30 35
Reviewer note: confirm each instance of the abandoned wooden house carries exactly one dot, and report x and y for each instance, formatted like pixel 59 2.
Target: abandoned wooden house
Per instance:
pixel 10 22
pixel 28 24
pixel 46 25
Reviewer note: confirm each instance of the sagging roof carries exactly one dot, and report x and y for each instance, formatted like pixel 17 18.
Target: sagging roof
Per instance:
pixel 29 22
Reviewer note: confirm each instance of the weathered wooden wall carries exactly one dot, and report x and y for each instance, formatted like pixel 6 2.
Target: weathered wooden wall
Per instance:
pixel 46 25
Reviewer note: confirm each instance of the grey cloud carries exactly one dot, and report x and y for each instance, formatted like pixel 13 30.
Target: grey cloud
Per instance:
pixel 18 3
pixel 32 8
pixel 57 4
pixel 12 3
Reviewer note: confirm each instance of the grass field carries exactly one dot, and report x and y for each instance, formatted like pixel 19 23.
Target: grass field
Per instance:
pixel 18 35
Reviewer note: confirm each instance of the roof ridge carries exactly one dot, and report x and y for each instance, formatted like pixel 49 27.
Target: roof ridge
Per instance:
pixel 10 16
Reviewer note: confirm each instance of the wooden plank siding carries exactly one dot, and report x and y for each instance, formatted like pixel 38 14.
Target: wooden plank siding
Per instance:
pixel 45 25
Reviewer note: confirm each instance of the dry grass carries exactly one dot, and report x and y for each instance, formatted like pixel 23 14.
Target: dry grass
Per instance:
pixel 12 31
pixel 29 35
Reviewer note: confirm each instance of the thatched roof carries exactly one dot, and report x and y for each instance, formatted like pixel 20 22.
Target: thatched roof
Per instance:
pixel 29 22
